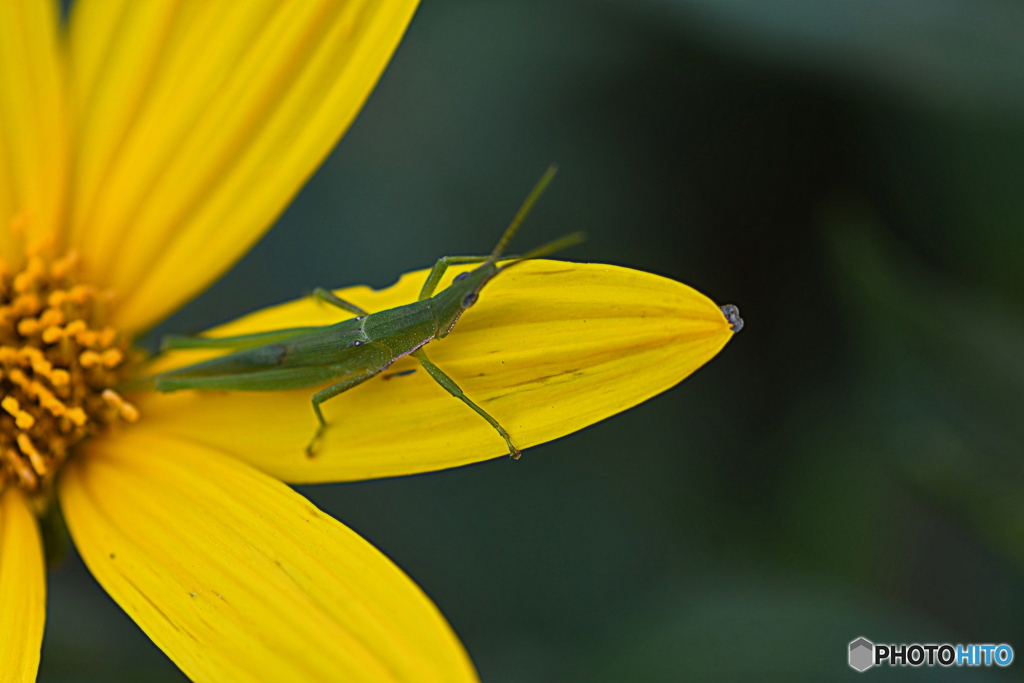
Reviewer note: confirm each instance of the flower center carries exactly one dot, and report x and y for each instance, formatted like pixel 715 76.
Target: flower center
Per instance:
pixel 58 367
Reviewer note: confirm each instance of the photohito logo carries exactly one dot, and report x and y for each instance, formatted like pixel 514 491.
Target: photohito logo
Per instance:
pixel 864 654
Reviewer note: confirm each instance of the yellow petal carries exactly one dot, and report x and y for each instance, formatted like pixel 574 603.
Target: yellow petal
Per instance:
pixel 238 578
pixel 22 589
pixel 200 119
pixel 550 348
pixel 33 124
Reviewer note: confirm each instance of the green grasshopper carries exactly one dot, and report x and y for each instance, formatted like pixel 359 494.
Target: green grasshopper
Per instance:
pixel 357 349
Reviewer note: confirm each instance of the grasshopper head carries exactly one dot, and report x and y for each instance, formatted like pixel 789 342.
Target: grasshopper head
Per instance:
pixel 461 294
pixel 465 289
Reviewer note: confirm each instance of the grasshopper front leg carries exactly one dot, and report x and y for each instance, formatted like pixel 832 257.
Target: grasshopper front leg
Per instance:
pixel 329 393
pixel 455 390
pixel 437 272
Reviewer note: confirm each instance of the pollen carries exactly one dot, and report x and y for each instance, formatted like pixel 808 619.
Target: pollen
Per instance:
pixel 59 364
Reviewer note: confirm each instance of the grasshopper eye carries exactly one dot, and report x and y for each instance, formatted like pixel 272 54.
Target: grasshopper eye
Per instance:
pixel 469 299
pixel 461 276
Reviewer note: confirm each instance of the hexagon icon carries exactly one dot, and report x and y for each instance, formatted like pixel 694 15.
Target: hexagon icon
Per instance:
pixel 862 653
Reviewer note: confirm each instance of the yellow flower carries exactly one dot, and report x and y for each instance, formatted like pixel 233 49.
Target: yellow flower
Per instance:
pixel 143 148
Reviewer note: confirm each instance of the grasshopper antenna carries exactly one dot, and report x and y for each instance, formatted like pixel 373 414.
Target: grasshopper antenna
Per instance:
pixel 528 203
pixel 549 248
pixel 561 243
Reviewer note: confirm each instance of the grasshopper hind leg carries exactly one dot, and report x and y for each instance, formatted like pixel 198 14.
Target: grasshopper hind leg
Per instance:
pixel 329 393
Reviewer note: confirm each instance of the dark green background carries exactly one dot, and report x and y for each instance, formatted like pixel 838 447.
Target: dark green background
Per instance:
pixel 848 173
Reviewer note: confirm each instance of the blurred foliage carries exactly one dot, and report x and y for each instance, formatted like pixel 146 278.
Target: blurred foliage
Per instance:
pixel 848 173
